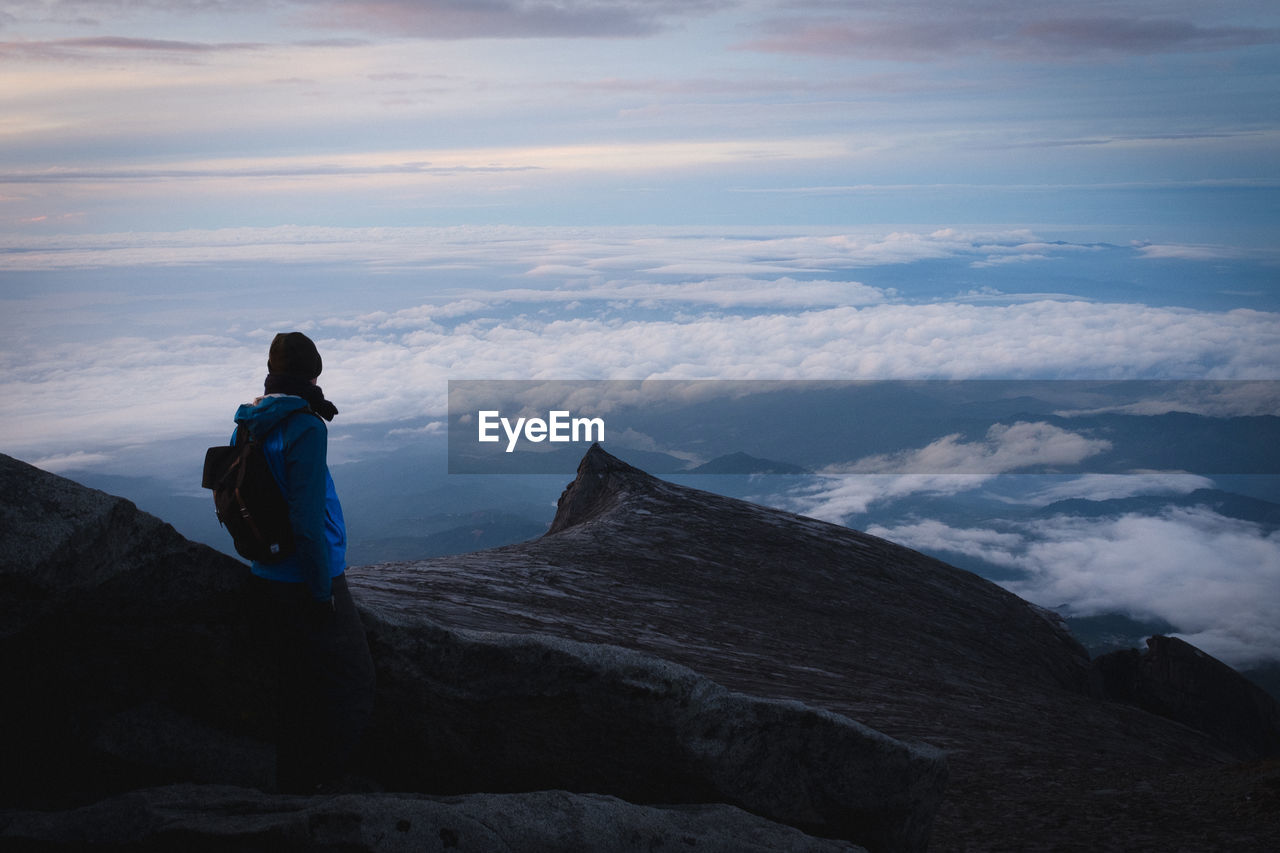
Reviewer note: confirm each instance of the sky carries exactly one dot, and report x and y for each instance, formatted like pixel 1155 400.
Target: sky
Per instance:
pixel 618 189
pixel 580 112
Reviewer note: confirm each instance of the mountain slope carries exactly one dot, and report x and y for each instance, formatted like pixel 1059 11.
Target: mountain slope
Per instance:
pixel 780 605
pixel 138 714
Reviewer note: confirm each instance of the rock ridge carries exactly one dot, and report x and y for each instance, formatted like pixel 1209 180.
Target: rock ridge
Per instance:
pixel 770 603
pixel 776 608
pixel 138 671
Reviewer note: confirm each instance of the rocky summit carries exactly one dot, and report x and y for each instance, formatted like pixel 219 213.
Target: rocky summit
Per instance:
pixel 1041 755
pixel 664 669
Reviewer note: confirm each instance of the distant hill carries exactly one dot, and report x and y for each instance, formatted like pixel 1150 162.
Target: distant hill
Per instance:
pixel 1223 503
pixel 741 463
pixel 476 531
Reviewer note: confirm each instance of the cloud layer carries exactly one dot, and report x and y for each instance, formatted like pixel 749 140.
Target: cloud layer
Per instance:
pixel 1217 579
pixel 395 366
pixel 547 253
pixel 183 315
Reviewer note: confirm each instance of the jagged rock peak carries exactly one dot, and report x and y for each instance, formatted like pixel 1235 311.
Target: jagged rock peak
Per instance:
pixel 601 478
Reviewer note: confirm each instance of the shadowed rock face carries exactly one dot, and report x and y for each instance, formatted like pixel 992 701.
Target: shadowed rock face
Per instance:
pixel 774 604
pixel 239 820
pixel 1176 680
pixel 467 712
pixel 125 658
pixel 129 664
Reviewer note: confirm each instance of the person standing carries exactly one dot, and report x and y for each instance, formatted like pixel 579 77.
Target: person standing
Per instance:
pixel 302 602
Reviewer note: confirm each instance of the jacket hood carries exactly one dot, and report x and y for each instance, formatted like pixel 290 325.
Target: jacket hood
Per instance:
pixel 260 416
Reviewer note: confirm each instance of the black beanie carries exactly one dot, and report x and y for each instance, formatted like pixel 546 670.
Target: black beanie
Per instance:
pixel 294 354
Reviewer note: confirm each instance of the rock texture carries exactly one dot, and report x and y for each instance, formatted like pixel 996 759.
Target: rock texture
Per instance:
pixel 502 713
pixel 240 820
pixel 1176 680
pixel 129 672
pixel 129 665
pixel 773 604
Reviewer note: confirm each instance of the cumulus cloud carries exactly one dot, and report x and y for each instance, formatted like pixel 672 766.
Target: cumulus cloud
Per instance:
pixel 947 466
pixel 1216 579
pixel 836 497
pixel 1102 487
pixel 992 546
pixel 1007 447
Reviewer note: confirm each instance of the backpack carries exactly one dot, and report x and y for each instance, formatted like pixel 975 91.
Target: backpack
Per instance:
pixel 247 498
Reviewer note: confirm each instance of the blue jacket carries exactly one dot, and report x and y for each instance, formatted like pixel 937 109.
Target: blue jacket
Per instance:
pixel 296 454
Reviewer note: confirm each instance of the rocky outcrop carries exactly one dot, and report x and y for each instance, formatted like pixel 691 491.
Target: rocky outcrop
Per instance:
pixel 1174 679
pixel 773 604
pixel 768 602
pixel 240 820
pixel 129 672
pixel 467 712
pixel 130 666
pixel 125 657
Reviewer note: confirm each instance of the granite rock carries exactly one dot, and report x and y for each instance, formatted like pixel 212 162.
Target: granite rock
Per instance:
pixel 769 603
pixel 130 664
pixel 240 820
pixel 497 712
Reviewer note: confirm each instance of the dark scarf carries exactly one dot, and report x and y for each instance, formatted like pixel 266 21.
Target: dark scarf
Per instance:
pixel 284 383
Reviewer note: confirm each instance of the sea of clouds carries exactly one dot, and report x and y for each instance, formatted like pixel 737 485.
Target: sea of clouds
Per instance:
pixel 115 341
